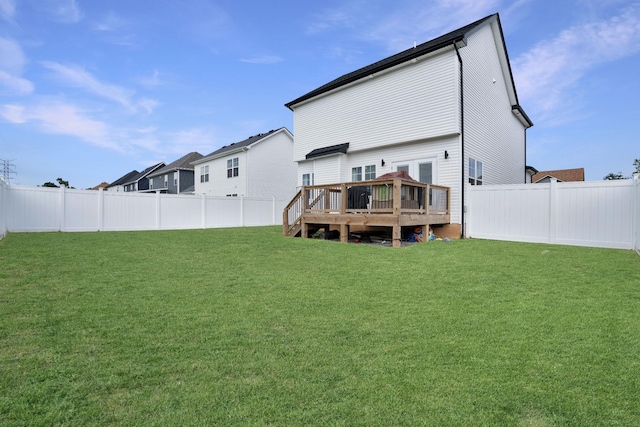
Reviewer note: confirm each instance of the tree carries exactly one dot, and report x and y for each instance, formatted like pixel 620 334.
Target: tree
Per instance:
pixel 611 176
pixel 60 182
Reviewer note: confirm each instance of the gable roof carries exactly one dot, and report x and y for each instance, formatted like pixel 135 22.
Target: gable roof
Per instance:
pixel 448 39
pixel 457 37
pixel 144 173
pixel 183 162
pixel 563 175
pixel 125 178
pixel 239 146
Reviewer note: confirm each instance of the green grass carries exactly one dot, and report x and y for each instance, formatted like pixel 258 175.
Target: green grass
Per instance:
pixel 245 327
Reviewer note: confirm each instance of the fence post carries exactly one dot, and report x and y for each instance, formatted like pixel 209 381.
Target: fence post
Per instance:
pixel 203 210
pixel 241 211
pixel 101 209
pixel 158 217
pixel 553 210
pixel 274 210
pixel 635 218
pixel 61 207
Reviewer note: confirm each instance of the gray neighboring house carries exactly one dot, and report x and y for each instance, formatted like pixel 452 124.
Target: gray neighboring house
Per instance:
pixel 176 177
pixel 140 182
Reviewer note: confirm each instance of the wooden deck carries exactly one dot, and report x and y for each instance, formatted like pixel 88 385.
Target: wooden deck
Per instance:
pixel 393 203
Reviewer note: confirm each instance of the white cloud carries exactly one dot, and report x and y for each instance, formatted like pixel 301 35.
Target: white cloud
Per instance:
pixel 263 59
pixel 65 11
pixel 14 84
pixel 547 73
pixel 63 119
pixel 79 77
pixel 7 9
pixel 196 139
pixel 152 81
pixel 12 62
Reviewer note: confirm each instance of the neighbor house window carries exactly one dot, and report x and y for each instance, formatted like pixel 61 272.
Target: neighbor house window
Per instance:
pixel 150 183
pixel 369 172
pixel 307 179
pixel 475 172
pixel 166 180
pixel 232 167
pixel 175 179
pixel 356 174
pixel 204 173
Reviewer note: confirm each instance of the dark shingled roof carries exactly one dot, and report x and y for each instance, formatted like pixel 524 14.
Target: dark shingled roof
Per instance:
pixel 144 173
pixel 183 162
pixel 392 61
pixel 236 145
pixel 325 151
pixel 125 178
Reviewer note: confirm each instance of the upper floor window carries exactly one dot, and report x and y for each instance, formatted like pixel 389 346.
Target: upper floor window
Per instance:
pixel 204 173
pixel 175 179
pixel 356 174
pixel 232 167
pixel 475 172
pixel 369 172
pixel 150 183
pixel 166 180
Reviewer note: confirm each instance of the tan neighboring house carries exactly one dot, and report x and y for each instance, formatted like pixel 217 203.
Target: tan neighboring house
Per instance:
pixel 562 175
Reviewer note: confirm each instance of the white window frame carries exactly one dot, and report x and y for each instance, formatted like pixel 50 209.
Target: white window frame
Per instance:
pixel 233 167
pixel 369 172
pixel 356 174
pixel 307 179
pixel 476 172
pixel 204 173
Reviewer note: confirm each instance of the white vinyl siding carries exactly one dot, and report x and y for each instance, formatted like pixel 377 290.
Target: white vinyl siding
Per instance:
pixel 493 134
pixel 271 170
pixel 415 101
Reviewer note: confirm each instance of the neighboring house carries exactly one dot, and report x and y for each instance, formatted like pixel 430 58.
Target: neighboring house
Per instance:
pixel 118 184
pixel 102 185
pixel 562 175
pixel 140 182
pixel 259 166
pixel 445 111
pixel 530 171
pixel 176 177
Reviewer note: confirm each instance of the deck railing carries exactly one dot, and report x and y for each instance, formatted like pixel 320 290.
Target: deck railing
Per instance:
pixel 394 196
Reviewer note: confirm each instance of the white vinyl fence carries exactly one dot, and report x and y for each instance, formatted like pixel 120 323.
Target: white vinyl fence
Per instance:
pixel 25 208
pixel 3 208
pixel 599 213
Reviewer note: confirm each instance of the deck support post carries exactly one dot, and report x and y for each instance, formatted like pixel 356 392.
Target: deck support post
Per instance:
pixel 397 236
pixel 344 233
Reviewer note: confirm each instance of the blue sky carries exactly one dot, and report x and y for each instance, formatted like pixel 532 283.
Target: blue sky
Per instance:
pixel 90 90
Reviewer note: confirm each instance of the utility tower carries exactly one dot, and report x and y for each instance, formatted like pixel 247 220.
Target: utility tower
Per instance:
pixel 7 170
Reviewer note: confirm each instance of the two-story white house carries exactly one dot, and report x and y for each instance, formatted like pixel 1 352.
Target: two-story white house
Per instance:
pixel 445 111
pixel 259 166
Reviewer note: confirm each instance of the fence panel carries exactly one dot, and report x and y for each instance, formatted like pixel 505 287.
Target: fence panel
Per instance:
pixel 636 211
pixel 575 213
pixel 60 209
pixel 129 212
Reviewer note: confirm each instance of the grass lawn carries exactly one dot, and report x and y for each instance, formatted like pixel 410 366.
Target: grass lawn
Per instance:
pixel 246 327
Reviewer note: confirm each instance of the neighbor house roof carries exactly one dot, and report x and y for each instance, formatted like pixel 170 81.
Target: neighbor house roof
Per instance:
pixel 183 163
pixel 145 172
pixel 101 185
pixel 564 175
pixel 125 178
pixel 239 146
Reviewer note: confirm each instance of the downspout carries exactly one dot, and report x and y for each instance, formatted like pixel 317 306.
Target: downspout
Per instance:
pixel 462 186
